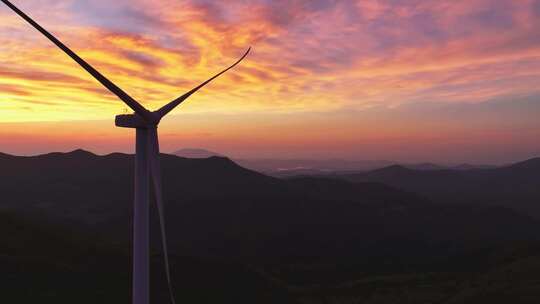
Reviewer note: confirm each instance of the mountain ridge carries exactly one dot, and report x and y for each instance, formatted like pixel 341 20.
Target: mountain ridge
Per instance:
pixel 220 208
pixel 515 186
pixel 66 223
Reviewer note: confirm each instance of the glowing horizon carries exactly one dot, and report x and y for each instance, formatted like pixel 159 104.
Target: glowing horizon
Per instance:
pixel 407 80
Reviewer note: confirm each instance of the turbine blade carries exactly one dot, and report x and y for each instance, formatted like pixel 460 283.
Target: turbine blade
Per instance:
pixel 132 103
pixel 173 104
pixel 155 171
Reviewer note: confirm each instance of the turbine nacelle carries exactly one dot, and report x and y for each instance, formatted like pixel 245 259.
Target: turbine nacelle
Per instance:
pixel 134 121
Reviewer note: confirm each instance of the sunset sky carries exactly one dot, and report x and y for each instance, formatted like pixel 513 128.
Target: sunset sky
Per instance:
pixel 441 81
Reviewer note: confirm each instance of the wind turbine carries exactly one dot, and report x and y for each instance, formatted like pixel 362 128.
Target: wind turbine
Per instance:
pixel 147 165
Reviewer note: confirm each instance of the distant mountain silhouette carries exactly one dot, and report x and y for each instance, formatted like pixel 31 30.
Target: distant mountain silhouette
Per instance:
pixel 515 186
pixel 425 166
pixel 531 164
pixel 431 166
pixel 195 153
pixel 217 208
pixel 5 156
pixel 238 234
pixel 466 166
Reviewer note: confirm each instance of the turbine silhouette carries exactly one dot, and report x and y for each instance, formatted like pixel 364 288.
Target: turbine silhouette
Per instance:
pixel 146 165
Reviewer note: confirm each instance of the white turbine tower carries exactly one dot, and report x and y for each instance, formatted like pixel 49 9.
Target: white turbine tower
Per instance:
pixel 146 165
